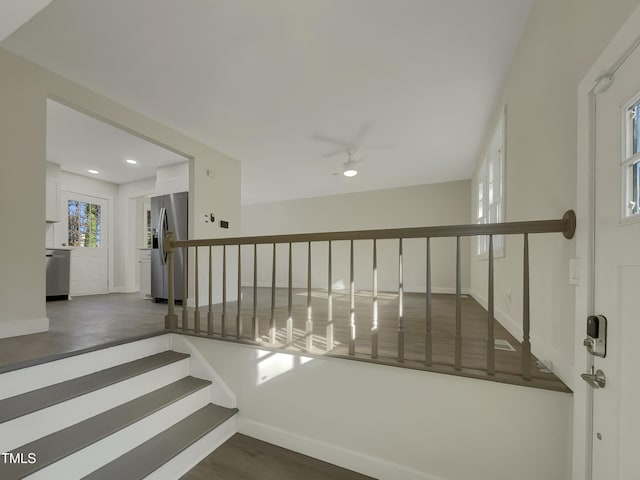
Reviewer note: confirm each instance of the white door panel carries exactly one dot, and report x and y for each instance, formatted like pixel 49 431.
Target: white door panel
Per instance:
pixel 616 421
pixel 89 265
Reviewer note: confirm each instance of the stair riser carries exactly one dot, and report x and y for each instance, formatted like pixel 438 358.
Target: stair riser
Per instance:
pixel 38 376
pixel 44 422
pixel 88 459
pixel 189 458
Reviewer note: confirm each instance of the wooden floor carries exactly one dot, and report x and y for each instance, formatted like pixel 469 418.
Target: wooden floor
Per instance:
pixel 90 321
pixel 86 322
pixel 474 331
pixel 245 458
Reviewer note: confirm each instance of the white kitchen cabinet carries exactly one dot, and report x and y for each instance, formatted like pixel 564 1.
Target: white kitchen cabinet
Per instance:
pixel 52 200
pixel 144 260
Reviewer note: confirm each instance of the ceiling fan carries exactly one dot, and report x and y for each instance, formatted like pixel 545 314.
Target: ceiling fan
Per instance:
pixel 353 150
pixel 349 167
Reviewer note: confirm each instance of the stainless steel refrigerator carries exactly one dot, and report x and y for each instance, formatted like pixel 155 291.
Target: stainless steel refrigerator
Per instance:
pixel 168 212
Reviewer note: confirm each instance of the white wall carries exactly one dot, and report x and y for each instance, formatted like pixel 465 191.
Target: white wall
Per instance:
pixel 128 231
pixel 24 88
pixel 559 43
pixel 416 206
pixel 393 423
pixel 172 179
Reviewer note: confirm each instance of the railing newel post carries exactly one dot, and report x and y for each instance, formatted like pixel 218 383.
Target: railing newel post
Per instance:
pixel 170 319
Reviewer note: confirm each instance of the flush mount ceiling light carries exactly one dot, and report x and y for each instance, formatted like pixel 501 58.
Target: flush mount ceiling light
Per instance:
pixel 131 161
pixel 95 172
pixel 349 169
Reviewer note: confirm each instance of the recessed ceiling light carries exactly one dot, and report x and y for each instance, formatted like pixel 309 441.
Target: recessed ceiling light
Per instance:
pixel 350 172
pixel 131 161
pixel 95 172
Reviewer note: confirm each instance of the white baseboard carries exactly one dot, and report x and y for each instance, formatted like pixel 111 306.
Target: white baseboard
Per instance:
pixel 123 290
pixel 416 289
pixel 553 358
pixel 513 327
pixel 27 326
pixel 356 461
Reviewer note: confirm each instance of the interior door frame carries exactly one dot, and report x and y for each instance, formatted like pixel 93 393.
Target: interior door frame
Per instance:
pixel 110 226
pixel 625 41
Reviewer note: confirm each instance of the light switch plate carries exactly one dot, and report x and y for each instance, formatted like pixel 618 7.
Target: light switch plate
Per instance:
pixel 574 271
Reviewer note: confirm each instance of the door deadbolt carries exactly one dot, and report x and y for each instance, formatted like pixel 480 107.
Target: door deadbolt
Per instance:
pixel 596 341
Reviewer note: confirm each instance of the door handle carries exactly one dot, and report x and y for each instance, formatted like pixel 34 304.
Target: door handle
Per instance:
pixel 161 227
pixel 595 380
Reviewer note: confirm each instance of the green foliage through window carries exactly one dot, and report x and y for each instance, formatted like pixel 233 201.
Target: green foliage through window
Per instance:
pixel 84 224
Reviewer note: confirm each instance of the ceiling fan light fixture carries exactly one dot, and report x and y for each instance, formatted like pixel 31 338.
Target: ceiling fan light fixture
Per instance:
pixel 350 172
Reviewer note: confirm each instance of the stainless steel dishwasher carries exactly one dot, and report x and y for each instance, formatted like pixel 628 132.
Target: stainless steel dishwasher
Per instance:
pixel 58 267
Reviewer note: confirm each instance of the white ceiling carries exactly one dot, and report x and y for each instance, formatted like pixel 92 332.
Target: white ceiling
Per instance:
pixel 79 142
pixel 15 13
pixel 265 81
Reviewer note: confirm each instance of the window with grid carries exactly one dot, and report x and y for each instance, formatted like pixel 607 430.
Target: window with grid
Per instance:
pixel 84 223
pixel 630 164
pixel 490 190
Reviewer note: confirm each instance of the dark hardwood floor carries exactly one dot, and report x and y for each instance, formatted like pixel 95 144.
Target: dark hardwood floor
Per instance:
pixel 246 458
pixel 86 322
pixel 90 321
pixel 474 331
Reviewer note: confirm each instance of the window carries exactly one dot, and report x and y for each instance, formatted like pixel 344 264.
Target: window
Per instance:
pixel 84 224
pixel 630 164
pixel 490 190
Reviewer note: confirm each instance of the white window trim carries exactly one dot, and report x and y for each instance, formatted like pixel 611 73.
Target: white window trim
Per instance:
pixel 626 161
pixel 482 178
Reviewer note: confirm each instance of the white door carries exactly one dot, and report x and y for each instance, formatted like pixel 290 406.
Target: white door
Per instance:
pixel 85 224
pixel 616 413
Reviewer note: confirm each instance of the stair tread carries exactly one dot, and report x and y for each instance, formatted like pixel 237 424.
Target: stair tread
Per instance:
pixel 62 443
pixel 152 454
pixel 25 403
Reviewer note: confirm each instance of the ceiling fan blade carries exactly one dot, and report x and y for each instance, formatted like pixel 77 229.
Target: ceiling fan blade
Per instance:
pixel 378 147
pixel 324 138
pixel 361 135
pixel 334 153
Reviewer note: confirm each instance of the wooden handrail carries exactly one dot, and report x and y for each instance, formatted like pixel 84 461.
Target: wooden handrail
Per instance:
pixel 566 225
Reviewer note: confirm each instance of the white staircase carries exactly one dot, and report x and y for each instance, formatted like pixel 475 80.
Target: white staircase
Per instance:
pixel 129 411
